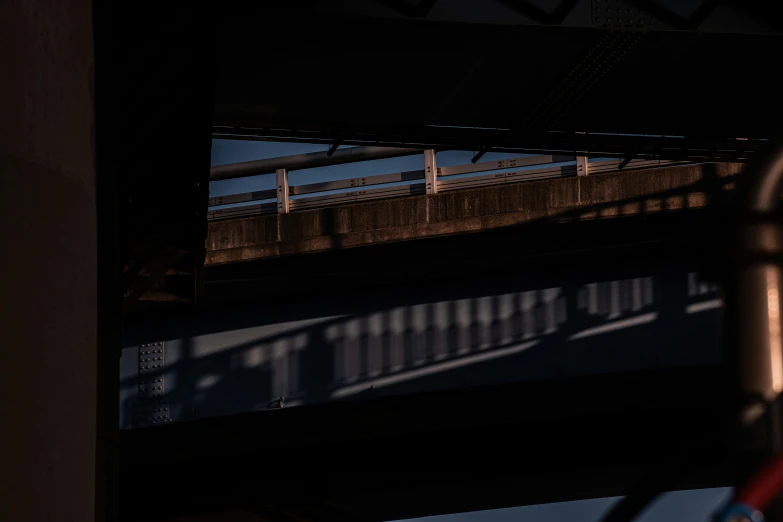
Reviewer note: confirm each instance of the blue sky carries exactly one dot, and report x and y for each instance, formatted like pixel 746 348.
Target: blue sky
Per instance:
pixel 231 151
pixel 683 506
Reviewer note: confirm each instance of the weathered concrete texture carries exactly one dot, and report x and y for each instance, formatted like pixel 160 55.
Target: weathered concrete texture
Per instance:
pixel 576 198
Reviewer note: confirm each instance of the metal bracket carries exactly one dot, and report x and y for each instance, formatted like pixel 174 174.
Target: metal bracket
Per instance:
pixel 430 172
pixel 582 166
pixel 282 191
pixel 333 148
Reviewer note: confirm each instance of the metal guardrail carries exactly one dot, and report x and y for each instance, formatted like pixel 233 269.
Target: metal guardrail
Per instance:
pixel 420 182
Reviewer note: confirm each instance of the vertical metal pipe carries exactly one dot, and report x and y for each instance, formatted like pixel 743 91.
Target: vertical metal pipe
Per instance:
pixel 754 346
pixel 754 336
pixel 753 289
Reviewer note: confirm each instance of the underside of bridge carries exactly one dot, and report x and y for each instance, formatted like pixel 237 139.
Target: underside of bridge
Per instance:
pixel 627 79
pixel 389 457
pixel 612 79
pixel 609 78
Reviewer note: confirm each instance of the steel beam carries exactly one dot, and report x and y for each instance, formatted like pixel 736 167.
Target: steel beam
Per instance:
pixel 506 140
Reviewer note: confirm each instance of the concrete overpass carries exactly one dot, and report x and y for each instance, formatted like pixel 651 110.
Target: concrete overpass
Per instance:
pixel 408 248
pixel 615 193
pixel 485 334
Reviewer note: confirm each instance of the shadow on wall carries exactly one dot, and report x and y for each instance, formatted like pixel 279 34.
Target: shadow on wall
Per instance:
pixel 599 327
pixel 593 328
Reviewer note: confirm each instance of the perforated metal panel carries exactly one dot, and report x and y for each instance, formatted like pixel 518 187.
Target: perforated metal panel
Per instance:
pixel 152 407
pixel 616 14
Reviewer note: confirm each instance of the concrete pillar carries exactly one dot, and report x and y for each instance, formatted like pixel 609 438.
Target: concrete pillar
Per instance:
pixel 48 281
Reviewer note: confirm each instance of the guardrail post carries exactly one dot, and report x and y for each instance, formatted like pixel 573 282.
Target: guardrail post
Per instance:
pixel 282 191
pixel 582 166
pixel 430 172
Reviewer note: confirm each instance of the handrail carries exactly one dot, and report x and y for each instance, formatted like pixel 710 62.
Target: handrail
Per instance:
pixel 298 197
pixel 260 209
pixel 503 164
pixel 614 164
pixel 257 195
pixel 562 171
pixel 378 179
pixel 414 189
